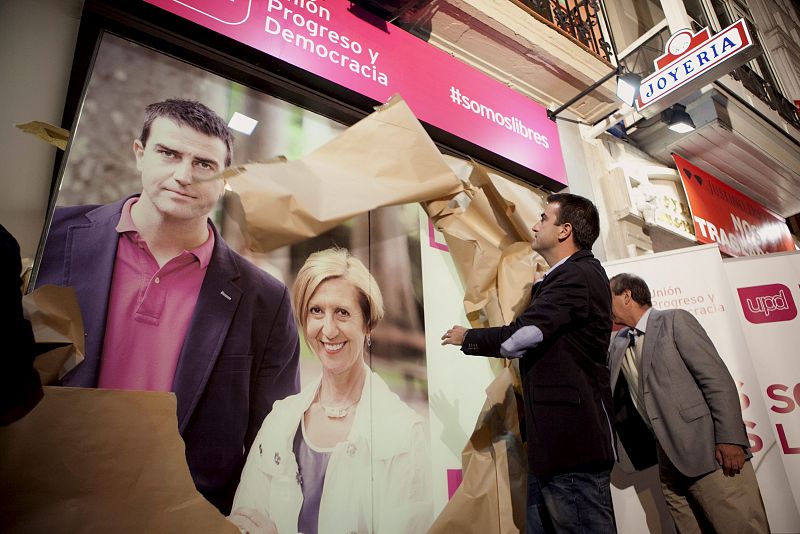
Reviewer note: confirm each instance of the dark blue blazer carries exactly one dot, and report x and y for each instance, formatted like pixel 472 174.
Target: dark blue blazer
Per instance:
pixel 239 356
pixel 565 382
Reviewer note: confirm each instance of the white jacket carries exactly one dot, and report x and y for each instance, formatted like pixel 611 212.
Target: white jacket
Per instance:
pixel 377 481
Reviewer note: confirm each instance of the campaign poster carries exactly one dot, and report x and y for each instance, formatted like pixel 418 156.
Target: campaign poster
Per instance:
pixel 335 438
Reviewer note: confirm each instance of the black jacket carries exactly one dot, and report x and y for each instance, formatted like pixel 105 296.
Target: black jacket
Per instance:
pixel 565 380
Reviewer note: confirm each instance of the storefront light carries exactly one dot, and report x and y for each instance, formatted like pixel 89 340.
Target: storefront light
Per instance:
pixel 628 87
pixel 677 119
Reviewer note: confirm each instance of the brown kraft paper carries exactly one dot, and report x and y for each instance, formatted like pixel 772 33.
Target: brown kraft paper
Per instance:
pixel 48 133
pixel 490 244
pixel 57 328
pixel 491 498
pixel 96 460
pixel 385 159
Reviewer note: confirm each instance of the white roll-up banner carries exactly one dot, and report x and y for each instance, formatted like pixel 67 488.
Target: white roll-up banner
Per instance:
pixel 761 356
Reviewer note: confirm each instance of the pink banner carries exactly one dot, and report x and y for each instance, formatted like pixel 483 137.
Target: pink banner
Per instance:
pixel 378 60
pixel 454 479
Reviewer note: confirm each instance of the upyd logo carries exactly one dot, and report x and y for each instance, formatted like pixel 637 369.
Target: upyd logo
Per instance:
pixel 770 303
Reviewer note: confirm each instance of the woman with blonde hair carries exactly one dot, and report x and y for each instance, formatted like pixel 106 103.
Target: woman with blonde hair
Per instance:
pixel 345 454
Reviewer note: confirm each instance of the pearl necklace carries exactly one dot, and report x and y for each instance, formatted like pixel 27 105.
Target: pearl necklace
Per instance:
pixel 337 412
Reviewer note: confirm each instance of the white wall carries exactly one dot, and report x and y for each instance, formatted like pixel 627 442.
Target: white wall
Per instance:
pixel 583 171
pixel 37 41
pixel 779 26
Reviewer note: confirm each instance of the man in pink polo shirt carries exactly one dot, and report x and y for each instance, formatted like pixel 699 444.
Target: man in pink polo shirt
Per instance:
pixel 168 306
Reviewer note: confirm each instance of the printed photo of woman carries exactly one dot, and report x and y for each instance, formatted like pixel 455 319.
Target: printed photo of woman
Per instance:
pixel 345 454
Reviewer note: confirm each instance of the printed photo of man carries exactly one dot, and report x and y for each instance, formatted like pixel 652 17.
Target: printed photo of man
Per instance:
pixel 168 306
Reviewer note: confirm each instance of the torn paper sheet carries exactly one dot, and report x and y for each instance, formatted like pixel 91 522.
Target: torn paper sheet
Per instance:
pixel 491 497
pixel 57 328
pixel 490 242
pixel 95 460
pixel 385 159
pixel 48 133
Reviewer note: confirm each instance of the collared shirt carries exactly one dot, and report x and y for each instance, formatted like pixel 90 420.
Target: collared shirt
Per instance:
pixel 149 310
pixel 529 336
pixel 554 267
pixel 632 365
pixel 641 325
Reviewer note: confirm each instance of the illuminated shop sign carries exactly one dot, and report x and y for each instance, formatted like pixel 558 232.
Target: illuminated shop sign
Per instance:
pixel 692 60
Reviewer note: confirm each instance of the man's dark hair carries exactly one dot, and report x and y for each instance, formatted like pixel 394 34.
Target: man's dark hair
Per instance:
pixel 192 114
pixel 581 214
pixel 640 293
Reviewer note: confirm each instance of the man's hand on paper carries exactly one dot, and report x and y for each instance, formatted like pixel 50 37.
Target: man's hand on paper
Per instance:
pixel 454 336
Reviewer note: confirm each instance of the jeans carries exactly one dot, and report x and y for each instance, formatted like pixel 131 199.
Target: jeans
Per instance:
pixel 570 502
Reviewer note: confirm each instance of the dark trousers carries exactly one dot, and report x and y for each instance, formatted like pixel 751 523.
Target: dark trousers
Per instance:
pixel 578 503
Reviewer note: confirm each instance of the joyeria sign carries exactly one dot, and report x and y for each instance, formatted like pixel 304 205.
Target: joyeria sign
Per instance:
pixel 691 60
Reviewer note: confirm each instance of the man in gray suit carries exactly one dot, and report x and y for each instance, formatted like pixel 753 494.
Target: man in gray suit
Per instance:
pixel 676 404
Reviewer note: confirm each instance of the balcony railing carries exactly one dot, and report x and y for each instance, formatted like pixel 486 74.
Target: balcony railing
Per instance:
pixel 766 92
pixel 640 60
pixel 762 85
pixel 578 19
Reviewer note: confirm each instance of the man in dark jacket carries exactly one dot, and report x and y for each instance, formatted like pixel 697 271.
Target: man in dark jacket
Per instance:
pixel 562 338
pixel 20 388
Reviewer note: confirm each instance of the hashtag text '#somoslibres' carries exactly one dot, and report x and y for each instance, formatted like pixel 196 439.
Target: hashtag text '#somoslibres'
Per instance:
pixel 509 123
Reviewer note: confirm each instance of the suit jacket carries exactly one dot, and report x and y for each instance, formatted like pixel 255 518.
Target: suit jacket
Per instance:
pixel 689 395
pixel 239 356
pixel 20 388
pixel 567 399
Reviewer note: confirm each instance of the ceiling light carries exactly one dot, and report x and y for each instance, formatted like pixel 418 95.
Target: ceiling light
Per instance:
pixel 242 123
pixel 628 87
pixel 677 119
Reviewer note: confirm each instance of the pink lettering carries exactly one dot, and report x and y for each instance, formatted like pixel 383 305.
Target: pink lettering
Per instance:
pixel 772 393
pixel 784 442
pixel 756 443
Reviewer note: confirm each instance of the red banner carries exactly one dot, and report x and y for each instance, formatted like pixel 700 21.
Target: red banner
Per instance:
pixel 723 215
